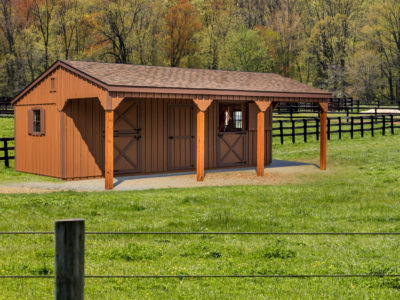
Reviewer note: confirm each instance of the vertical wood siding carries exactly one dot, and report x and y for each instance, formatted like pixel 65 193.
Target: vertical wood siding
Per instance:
pixel 84 139
pixel 38 154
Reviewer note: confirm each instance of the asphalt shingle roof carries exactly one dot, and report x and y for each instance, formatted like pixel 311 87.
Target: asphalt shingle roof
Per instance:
pixel 167 77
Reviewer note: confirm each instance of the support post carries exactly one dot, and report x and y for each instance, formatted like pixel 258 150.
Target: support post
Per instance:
pixel 262 106
pixel 323 139
pixel 69 259
pixel 109 149
pixel 202 106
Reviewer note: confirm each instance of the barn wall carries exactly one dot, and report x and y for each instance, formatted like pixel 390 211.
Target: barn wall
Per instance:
pixel 38 154
pixel 83 139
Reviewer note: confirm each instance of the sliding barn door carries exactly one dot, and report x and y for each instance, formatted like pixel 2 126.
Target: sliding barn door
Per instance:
pixel 127 137
pixel 180 137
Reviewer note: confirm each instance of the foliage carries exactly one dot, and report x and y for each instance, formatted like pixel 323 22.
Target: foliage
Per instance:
pixel 349 47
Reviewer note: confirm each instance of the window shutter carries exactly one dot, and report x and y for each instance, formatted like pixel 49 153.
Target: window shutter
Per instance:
pixel 42 122
pixel 30 122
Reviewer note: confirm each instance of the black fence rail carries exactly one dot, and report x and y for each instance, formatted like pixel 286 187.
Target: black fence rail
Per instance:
pixel 70 256
pixel 345 105
pixel 309 127
pixel 5 107
pixel 7 149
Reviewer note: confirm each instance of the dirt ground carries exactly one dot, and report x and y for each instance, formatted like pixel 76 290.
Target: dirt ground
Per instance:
pixel 280 172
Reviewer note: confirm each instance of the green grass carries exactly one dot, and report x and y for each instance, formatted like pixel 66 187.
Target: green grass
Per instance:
pixel 6 127
pixel 358 192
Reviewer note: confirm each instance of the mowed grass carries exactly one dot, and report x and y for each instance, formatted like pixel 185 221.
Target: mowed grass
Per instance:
pixel 359 192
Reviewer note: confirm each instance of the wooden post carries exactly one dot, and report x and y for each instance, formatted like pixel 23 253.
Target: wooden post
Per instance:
pixel 109 149
pixel 281 130
pixel 352 127
pixel 340 127
pixel 6 159
pixel 202 106
pixel 383 124
pixel 69 259
pixel 372 125
pixel 362 126
pixel 305 130
pixel 293 132
pixel 391 124
pixel 262 106
pixel 329 129
pixel 323 139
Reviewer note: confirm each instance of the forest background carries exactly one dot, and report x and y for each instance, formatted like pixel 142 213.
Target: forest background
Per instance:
pixel 348 47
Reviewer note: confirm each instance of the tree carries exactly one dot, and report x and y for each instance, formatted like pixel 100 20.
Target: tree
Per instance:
pixel 244 51
pixel 182 22
pixel 43 14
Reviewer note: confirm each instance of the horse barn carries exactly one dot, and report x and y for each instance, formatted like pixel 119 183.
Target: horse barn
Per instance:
pixel 82 120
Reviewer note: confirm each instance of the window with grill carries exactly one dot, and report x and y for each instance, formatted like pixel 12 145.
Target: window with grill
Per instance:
pixel 237 119
pixel 36 121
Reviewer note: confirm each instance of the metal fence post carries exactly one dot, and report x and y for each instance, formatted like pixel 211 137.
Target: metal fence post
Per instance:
pixel 69 259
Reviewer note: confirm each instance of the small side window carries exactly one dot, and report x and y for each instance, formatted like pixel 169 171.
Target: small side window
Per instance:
pixel 36 120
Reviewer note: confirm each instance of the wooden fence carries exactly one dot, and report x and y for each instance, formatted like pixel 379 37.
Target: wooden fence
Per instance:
pixel 5 107
pixel 335 125
pixel 8 146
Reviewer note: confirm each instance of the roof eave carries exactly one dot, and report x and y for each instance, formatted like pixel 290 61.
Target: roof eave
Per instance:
pixel 161 90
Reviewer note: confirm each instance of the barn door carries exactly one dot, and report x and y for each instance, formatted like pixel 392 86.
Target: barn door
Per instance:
pixel 180 137
pixel 231 148
pixel 127 137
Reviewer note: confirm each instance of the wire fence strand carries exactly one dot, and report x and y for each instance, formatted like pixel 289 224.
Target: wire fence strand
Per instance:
pixel 208 276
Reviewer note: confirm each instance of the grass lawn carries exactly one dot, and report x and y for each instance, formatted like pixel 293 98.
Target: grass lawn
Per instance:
pixel 359 192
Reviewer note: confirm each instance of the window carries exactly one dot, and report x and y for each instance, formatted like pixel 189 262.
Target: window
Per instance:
pixel 36 121
pixel 36 118
pixel 237 119
pixel 232 117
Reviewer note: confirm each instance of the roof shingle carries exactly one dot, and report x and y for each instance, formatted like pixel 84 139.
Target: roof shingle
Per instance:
pixel 168 77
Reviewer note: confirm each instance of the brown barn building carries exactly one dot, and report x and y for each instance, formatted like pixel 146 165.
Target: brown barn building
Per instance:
pixel 86 119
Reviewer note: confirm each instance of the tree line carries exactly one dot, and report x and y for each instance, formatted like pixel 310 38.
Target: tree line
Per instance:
pixel 349 47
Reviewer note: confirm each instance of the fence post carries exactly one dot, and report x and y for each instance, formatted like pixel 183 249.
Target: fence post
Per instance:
pixel 372 125
pixel 6 158
pixel 391 124
pixel 281 130
pixel 358 106
pixel 329 128
pixel 352 127
pixel 340 127
pixel 69 259
pixel 317 128
pixel 362 126
pixel 383 124
pixel 293 132
pixel 305 130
